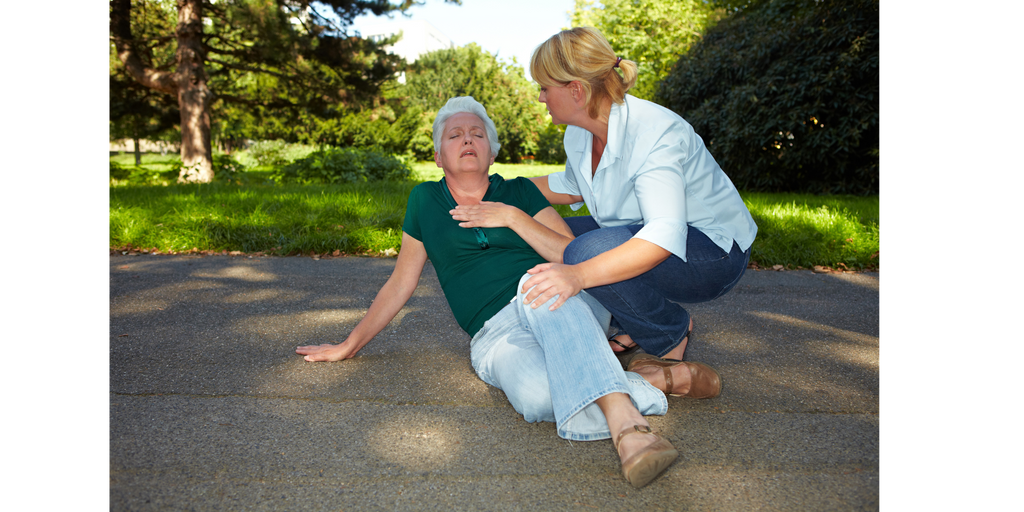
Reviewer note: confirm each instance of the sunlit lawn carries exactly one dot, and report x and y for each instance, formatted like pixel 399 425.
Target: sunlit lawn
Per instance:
pixel 794 230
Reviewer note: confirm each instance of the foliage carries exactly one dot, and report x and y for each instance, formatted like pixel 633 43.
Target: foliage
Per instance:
pixel 343 165
pixel 652 33
pixel 510 99
pixel 269 152
pixel 137 112
pixel 786 95
pixel 257 67
pixel 370 129
pixel 164 171
pixel 550 148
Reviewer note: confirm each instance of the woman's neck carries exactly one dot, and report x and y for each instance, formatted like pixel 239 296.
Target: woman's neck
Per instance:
pixel 467 188
pixel 599 126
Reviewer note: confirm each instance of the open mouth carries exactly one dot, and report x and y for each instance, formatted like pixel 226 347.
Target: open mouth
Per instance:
pixel 468 152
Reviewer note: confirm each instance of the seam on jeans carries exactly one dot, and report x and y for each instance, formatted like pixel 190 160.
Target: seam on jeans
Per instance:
pixel 637 315
pixel 587 401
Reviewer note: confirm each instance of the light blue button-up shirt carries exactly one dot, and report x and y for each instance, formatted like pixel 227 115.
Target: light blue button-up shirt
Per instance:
pixel 655 171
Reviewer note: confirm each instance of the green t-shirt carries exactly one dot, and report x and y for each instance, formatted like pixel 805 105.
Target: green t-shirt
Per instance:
pixel 477 282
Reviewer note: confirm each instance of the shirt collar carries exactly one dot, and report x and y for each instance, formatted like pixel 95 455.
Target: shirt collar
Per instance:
pixel 616 128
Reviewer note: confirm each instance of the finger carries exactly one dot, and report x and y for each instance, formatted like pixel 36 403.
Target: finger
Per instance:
pixel 538 295
pixel 539 268
pixel 544 298
pixel 558 303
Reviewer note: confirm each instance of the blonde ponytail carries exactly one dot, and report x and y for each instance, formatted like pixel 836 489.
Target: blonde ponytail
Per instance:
pixel 583 54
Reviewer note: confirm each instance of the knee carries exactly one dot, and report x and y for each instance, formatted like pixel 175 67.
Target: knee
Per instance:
pixel 531 397
pixel 535 406
pixel 579 250
pixel 595 242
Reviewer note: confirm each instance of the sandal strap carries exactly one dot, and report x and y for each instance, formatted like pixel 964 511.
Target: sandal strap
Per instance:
pixel 660 363
pixel 637 429
pixel 625 347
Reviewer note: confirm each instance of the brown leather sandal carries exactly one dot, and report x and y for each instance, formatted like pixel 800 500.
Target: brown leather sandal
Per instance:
pixel 646 464
pixel 704 380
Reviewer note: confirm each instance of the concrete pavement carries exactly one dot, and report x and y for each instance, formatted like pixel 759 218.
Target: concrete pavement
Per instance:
pixel 211 409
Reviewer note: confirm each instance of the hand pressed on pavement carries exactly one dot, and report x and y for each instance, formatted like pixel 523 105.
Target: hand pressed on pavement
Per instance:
pixel 325 352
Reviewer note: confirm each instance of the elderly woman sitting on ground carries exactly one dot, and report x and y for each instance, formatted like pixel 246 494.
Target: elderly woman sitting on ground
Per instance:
pixel 552 365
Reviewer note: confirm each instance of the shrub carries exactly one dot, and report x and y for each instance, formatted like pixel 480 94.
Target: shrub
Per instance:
pixel 550 149
pixel 343 165
pixel 270 153
pixel 226 168
pixel 785 93
pixel 119 172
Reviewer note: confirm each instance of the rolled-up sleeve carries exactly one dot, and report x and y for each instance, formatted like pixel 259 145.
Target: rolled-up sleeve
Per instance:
pixel 662 198
pixel 565 183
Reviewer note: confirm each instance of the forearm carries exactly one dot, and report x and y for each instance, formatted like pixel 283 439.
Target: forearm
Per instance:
pixel 392 296
pixel 549 243
pixel 385 307
pixel 626 261
pixel 554 197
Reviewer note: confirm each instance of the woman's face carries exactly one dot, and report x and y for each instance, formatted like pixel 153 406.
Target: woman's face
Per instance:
pixel 464 145
pixel 559 101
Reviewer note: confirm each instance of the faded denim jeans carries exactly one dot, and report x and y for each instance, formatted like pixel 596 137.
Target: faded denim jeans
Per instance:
pixel 553 365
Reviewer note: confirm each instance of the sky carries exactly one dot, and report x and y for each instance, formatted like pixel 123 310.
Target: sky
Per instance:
pixel 502 27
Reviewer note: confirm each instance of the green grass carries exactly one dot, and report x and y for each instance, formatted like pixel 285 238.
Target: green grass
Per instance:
pixel 362 218
pixel 429 171
pixel 794 230
pixel 803 230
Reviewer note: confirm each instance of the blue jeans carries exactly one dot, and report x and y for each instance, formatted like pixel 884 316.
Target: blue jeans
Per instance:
pixel 645 306
pixel 553 365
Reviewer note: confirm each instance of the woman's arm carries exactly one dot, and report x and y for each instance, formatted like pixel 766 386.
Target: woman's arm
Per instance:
pixel 626 261
pixel 389 301
pixel 554 197
pixel 546 232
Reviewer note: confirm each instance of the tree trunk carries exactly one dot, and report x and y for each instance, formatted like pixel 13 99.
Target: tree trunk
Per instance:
pixel 194 98
pixel 138 153
pixel 188 82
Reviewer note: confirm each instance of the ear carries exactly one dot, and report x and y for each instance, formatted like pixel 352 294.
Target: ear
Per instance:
pixel 437 159
pixel 577 93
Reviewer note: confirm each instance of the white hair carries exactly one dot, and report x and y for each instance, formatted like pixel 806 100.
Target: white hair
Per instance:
pixel 469 105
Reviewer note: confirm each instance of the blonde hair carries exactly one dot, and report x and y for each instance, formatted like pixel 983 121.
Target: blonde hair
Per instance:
pixel 584 55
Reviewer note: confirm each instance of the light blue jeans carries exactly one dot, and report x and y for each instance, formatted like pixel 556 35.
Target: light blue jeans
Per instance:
pixel 553 365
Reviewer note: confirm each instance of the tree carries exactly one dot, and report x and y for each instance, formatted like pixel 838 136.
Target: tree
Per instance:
pixel 652 33
pixel 510 99
pixel 138 112
pixel 785 93
pixel 278 55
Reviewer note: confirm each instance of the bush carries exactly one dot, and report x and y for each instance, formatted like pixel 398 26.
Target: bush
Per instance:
pixel 139 175
pixel 119 172
pixel 270 153
pixel 227 169
pixel 550 149
pixel 343 165
pixel 785 93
